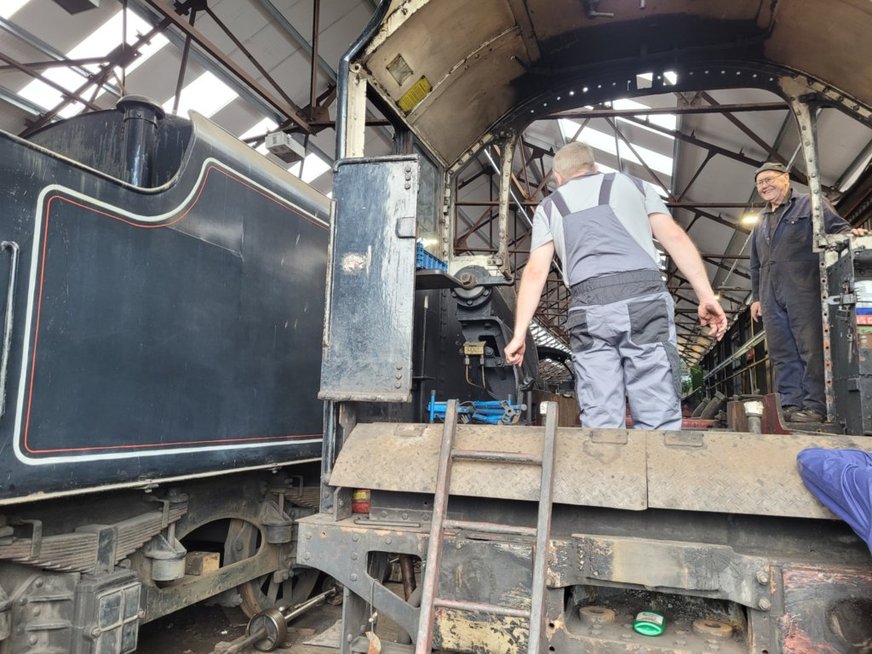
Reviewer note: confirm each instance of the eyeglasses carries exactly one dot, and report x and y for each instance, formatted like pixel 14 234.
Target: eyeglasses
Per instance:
pixel 766 181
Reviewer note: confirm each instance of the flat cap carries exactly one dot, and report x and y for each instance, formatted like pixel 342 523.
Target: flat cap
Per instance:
pixel 770 165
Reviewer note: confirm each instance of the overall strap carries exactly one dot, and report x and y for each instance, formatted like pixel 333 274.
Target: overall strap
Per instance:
pixel 606 188
pixel 560 204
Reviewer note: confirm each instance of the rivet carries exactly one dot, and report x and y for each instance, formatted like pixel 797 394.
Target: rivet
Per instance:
pixel 388 540
pixel 353 576
pixel 355 537
pixel 354 556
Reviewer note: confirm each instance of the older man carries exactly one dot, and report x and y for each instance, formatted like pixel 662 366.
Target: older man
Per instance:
pixel 786 292
pixel 621 318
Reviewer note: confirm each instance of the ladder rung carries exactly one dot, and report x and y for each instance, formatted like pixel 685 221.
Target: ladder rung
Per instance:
pixel 489 527
pixel 498 457
pixel 477 607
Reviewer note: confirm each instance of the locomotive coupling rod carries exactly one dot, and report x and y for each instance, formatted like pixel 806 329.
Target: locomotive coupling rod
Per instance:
pixel 268 629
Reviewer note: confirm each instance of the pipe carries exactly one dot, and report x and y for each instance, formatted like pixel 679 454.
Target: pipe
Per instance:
pixel 344 65
pixel 285 614
pixel 141 119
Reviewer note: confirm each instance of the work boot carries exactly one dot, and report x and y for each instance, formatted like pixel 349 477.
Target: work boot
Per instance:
pixel 788 411
pixel 807 415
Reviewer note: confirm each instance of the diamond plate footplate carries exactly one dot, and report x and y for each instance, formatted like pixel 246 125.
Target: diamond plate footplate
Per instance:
pixel 719 472
pixel 603 467
pixel 728 472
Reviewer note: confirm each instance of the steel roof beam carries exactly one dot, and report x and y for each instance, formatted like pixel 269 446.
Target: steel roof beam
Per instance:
pixel 120 57
pixel 653 111
pixel 285 107
pixel 43 47
pixel 751 134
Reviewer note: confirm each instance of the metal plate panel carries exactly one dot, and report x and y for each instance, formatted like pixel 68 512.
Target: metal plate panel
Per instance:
pixel 718 472
pixel 368 330
pixel 729 472
pixel 604 467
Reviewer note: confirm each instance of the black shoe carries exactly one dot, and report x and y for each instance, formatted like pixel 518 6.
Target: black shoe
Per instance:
pixel 807 415
pixel 788 411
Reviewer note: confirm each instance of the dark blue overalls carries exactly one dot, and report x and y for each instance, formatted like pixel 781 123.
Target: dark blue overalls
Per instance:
pixel 785 278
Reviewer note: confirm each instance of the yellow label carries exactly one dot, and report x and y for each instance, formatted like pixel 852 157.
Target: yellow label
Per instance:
pixel 414 95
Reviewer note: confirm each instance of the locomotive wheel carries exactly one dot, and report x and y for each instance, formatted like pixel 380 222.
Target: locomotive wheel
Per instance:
pixel 243 540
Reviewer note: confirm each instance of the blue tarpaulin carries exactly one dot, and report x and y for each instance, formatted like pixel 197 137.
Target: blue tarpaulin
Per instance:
pixel 842 481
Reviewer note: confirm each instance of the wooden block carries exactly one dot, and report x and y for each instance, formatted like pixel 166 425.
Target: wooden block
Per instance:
pixel 201 563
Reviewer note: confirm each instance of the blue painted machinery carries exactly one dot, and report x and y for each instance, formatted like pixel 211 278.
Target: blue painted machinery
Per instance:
pixel 486 412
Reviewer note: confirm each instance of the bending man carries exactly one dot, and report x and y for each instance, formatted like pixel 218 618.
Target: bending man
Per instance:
pixel 621 318
pixel 786 291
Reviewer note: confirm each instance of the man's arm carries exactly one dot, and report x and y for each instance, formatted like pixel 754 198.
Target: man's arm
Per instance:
pixel 532 283
pixel 685 255
pixel 835 224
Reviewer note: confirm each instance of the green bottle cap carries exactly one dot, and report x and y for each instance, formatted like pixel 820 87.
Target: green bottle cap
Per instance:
pixel 649 623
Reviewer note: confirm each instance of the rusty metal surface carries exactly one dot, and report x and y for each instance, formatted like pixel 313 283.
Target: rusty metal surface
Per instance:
pixel 491 56
pixel 458 632
pixel 720 472
pixel 700 568
pixel 604 467
pixel 728 472
pixel 826 610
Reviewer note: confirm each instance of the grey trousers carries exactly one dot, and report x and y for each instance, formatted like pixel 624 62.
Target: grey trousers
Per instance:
pixel 626 349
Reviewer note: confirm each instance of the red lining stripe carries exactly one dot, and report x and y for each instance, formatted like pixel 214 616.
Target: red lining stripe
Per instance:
pixel 127 221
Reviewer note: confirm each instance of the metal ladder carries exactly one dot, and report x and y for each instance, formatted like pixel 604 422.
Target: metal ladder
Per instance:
pixel 429 601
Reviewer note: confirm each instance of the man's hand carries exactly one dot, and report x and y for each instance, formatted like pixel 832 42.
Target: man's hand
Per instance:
pixel 756 310
pixel 711 315
pixel 514 351
pixel 859 231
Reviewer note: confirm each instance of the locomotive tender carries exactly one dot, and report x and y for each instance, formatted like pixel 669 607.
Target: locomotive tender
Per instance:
pixel 164 296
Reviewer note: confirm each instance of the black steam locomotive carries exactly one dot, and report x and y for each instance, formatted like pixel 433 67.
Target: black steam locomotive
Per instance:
pixel 163 300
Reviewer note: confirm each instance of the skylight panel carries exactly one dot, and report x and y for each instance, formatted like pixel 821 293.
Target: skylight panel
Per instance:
pixel 542 336
pixel 668 121
pixel 312 167
pixel 206 95
pixel 98 43
pixel 259 129
pixel 9 7
pixel 606 142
